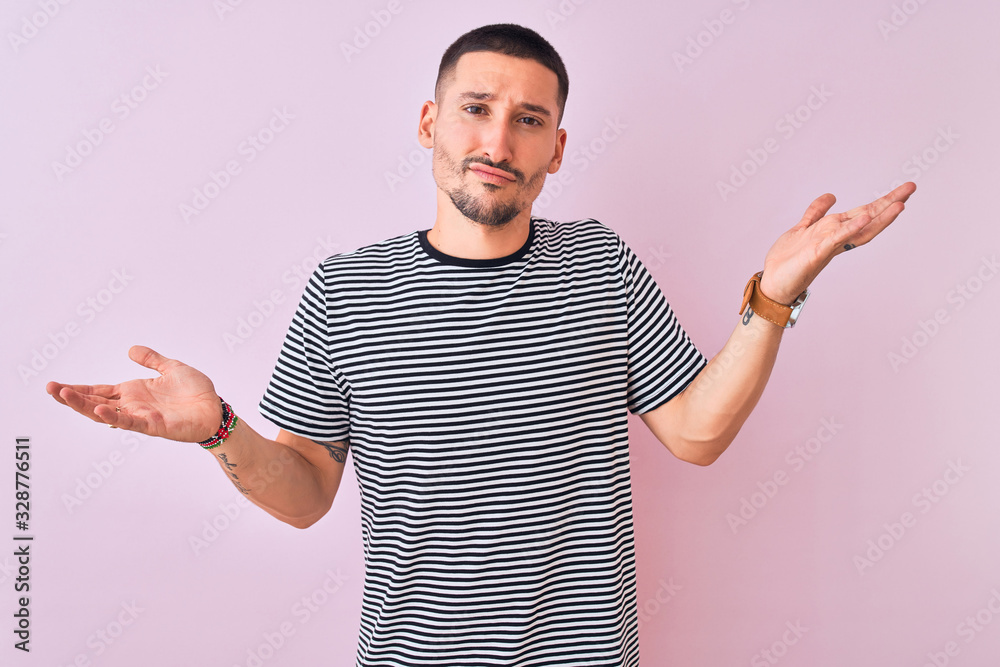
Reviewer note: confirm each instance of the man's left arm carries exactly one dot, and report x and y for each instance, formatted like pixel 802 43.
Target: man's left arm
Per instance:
pixel 698 424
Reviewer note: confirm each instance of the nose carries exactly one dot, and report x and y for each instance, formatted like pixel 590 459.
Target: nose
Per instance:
pixel 498 140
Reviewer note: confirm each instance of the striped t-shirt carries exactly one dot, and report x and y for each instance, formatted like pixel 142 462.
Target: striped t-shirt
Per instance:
pixel 485 402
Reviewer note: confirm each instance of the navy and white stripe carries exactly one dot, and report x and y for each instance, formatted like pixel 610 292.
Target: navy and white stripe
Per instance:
pixel 486 403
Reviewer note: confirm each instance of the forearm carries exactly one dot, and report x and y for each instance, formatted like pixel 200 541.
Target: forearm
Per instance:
pixel 273 476
pixel 701 422
pixel 716 404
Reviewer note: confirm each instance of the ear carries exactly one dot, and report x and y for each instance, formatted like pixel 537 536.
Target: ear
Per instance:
pixel 559 149
pixel 425 129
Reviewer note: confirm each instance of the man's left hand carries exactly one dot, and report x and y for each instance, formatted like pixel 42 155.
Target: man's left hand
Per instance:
pixel 798 256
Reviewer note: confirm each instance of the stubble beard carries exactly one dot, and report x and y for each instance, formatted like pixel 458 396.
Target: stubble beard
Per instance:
pixel 481 209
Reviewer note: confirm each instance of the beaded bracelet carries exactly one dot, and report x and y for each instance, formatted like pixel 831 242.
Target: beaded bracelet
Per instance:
pixel 229 420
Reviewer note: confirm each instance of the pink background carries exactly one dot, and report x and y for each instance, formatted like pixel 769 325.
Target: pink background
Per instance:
pixel 116 520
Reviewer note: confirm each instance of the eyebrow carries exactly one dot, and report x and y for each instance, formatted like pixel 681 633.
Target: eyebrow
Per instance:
pixel 486 97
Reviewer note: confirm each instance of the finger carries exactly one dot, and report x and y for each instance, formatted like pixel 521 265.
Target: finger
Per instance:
pixel 900 194
pixel 864 228
pixel 879 222
pixel 817 209
pixel 886 216
pixel 903 192
pixel 85 404
pixel 105 391
pixel 98 392
pixel 53 389
pixel 848 232
pixel 150 358
pixel 99 410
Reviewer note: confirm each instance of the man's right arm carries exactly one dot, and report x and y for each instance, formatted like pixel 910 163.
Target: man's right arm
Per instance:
pixel 292 478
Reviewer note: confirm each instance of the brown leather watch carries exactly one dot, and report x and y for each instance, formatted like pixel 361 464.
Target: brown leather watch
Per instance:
pixel 772 311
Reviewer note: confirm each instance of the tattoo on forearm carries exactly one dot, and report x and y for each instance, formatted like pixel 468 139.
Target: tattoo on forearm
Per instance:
pixel 749 314
pixel 225 461
pixel 236 480
pixel 849 246
pixel 338 454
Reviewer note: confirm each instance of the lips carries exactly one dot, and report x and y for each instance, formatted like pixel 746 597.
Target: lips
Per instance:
pixel 491 174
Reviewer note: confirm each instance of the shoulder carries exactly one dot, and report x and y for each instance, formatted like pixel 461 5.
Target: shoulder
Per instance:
pixel 586 235
pixel 577 228
pixel 381 258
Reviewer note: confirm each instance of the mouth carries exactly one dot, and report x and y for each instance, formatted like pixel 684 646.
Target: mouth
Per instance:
pixel 491 174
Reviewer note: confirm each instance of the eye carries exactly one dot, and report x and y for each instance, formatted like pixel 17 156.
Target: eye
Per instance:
pixel 530 120
pixel 475 110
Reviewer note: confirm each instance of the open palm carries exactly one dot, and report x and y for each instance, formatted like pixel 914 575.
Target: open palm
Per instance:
pixel 799 254
pixel 180 404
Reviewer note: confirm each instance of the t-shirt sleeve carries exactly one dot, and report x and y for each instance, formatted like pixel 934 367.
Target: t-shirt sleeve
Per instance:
pixel 308 395
pixel 662 359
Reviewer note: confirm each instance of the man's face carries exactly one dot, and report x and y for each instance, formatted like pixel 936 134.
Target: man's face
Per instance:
pixel 494 135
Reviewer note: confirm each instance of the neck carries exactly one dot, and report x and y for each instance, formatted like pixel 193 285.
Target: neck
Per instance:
pixel 455 235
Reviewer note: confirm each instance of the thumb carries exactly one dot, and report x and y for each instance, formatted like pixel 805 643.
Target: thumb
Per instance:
pixel 817 209
pixel 150 358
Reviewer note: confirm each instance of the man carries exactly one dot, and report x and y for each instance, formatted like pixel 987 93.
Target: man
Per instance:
pixel 481 372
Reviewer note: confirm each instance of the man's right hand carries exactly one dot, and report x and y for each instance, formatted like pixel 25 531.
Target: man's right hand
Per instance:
pixel 180 404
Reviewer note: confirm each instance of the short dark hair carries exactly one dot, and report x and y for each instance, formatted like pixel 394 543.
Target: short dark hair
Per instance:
pixel 510 40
